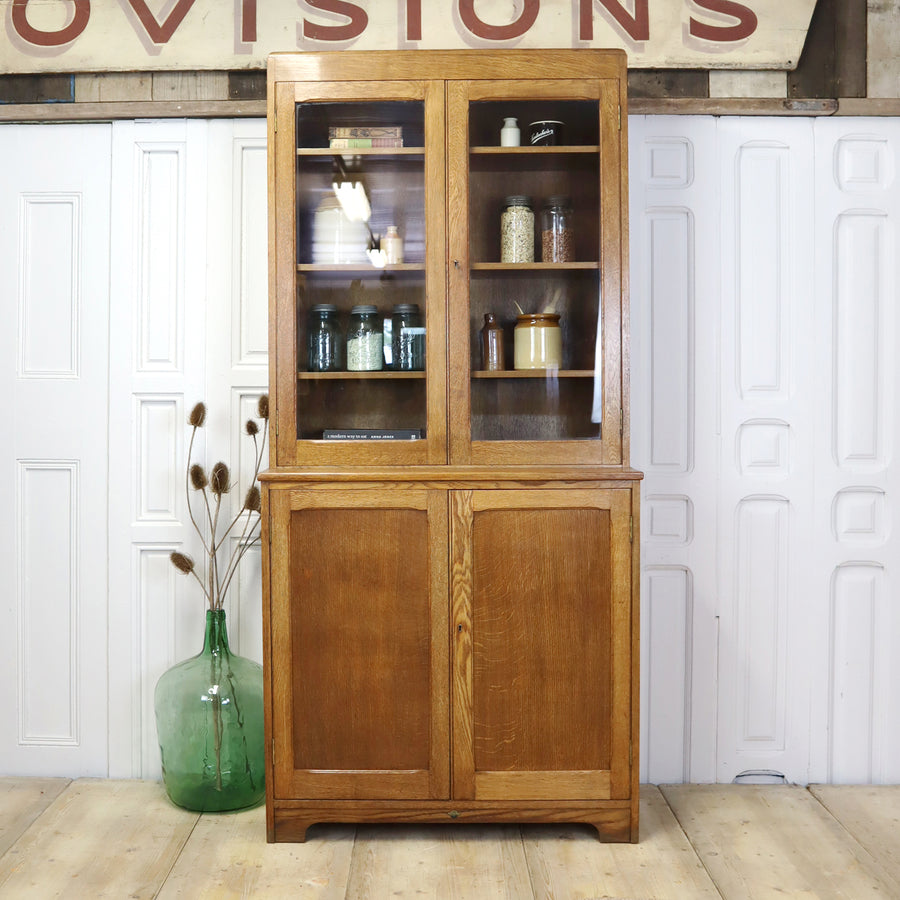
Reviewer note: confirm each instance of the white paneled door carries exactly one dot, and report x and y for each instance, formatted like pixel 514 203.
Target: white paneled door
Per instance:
pixel 765 333
pixel 54 305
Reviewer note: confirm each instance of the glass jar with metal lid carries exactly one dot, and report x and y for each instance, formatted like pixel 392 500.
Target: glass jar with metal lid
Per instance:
pixel 517 230
pixel 407 338
pixel 324 340
pixel 365 340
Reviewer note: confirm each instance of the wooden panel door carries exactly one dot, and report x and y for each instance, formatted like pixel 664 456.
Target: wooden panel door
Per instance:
pixel 359 650
pixel 541 617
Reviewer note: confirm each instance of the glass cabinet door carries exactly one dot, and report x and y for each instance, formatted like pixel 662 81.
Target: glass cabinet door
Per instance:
pixel 359 224
pixel 540 259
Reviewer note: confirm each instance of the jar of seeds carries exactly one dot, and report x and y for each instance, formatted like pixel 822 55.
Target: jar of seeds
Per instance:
pixel 365 340
pixel 557 237
pixel 517 230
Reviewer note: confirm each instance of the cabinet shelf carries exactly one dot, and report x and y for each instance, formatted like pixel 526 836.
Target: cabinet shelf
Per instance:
pixel 359 268
pixel 535 373
pixel 381 375
pixel 360 151
pixel 533 266
pixel 556 149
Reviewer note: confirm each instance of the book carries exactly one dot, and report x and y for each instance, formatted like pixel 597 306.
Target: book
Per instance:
pixel 365 131
pixel 344 143
pixel 372 434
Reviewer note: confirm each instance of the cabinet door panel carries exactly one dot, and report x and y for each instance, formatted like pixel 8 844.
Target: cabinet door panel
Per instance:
pixel 360 664
pixel 541 583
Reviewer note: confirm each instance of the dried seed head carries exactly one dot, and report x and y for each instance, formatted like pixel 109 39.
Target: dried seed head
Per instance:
pixel 219 479
pixel 262 408
pixel 252 500
pixel 198 477
pixel 198 415
pixel 251 427
pixel 182 562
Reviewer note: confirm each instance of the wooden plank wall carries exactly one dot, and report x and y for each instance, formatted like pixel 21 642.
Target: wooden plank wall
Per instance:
pixel 833 65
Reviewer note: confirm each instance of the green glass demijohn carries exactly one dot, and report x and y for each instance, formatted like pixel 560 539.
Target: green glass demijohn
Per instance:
pixel 209 709
pixel 209 719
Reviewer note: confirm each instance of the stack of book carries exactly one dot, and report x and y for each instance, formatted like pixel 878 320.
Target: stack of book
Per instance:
pixel 344 137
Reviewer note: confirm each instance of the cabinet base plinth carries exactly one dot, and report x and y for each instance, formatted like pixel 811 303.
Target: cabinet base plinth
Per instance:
pixel 615 820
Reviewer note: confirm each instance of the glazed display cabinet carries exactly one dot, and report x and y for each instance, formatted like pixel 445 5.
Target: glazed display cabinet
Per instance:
pixel 450 547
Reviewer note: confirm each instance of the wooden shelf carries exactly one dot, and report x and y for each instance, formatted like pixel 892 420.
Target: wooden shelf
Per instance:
pixel 535 373
pixel 554 148
pixel 359 268
pixel 533 266
pixel 381 374
pixel 360 151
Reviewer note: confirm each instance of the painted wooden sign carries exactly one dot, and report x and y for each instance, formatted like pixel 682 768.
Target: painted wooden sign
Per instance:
pixel 140 35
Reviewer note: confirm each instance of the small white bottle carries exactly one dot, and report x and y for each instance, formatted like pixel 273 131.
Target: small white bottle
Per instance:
pixel 392 246
pixel 509 133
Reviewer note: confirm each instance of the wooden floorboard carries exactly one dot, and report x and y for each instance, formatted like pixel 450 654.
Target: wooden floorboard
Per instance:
pixel 871 815
pixel 762 841
pixel 95 838
pixel 22 800
pixel 98 839
pixel 227 856
pixel 569 862
pixel 456 862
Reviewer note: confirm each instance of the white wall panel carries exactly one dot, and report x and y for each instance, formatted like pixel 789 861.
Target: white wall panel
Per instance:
pixel 859 620
pixel 670 241
pixel 762 536
pixel 157 465
pixel 251 338
pixel 765 486
pixel 674 382
pixel 855 718
pixel 861 257
pixel 49 285
pixel 47 602
pixel 157 357
pixel 54 305
pixel 762 289
pixel 665 657
pixel 159 233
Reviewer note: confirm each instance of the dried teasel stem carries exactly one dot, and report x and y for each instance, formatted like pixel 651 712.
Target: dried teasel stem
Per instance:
pixel 213 487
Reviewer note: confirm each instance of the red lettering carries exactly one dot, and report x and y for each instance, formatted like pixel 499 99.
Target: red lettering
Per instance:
pixel 354 28
pixel 50 38
pixel 414 20
pixel 498 32
pixel 637 27
pixel 746 25
pixel 248 21
pixel 157 33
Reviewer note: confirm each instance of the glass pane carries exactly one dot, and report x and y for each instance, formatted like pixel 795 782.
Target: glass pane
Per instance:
pixel 545 298
pixel 351 382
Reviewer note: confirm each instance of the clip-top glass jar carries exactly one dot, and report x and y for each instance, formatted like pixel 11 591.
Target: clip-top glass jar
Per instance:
pixel 517 230
pixel 324 341
pixel 557 237
pixel 407 338
pixel 365 340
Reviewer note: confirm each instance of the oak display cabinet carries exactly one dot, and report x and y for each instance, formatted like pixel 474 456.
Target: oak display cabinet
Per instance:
pixel 451 613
